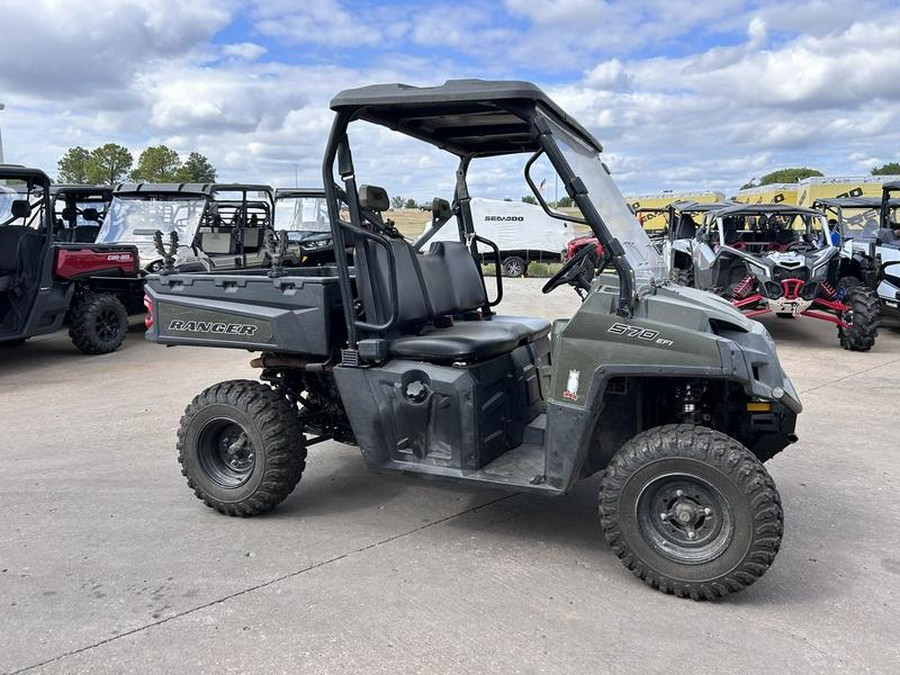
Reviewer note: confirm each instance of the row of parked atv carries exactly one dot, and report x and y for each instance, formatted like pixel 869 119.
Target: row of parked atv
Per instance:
pixel 837 262
pixel 78 256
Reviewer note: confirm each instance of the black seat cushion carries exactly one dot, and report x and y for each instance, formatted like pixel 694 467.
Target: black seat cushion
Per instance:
pixel 466 341
pixel 6 282
pixel 536 328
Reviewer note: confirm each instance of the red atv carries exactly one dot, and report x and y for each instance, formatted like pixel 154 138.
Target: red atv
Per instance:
pixel 45 283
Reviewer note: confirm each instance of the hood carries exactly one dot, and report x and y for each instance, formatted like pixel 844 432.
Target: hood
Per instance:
pixel 684 303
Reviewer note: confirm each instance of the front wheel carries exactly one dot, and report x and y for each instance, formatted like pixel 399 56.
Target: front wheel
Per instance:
pixel 862 317
pixel 683 276
pixel 691 511
pixel 241 448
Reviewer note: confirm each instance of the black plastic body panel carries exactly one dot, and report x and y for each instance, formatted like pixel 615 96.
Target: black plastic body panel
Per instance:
pixel 448 417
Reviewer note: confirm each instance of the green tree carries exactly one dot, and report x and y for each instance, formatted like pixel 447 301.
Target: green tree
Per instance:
pixel 507 199
pixel 410 203
pixel 565 202
pixel 889 169
pixel 397 201
pixel 529 199
pixel 197 169
pixel 784 176
pixel 109 164
pixel 73 165
pixel 157 164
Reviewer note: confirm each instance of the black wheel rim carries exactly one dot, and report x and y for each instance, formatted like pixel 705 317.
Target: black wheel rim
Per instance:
pixel 685 519
pixel 226 453
pixel 107 324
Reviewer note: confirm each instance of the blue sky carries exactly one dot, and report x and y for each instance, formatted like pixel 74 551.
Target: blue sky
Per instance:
pixel 684 94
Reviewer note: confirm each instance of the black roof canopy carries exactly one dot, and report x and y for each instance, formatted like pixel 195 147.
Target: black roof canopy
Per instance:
pixel 77 190
pixel 765 209
pixel 891 186
pixel 17 171
pixel 465 117
pixel 698 207
pixel 850 202
pixel 175 189
pixel 290 193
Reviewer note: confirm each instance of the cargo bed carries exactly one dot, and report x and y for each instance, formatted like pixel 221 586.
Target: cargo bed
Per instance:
pixel 298 313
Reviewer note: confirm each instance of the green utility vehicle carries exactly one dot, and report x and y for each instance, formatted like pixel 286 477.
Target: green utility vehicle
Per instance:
pixel 669 391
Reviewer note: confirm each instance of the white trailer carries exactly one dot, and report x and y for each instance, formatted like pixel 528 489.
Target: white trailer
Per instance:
pixel 524 233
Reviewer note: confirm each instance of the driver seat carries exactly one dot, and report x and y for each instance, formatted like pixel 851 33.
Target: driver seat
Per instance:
pixel 439 295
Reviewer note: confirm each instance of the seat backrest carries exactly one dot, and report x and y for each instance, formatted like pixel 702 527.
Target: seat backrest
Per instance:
pixel 373 274
pixel 460 276
pixel 252 237
pixel 17 244
pixel 443 282
pixel 886 235
pixel 687 228
pixel 215 242
pixel 85 234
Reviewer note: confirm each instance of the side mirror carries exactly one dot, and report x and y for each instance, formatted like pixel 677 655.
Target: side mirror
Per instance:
pixel 440 210
pixel 68 214
pixel 374 198
pixel 91 215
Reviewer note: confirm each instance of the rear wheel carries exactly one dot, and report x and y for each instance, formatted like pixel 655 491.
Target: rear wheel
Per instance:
pixel 97 323
pixel 862 316
pixel 514 266
pixel 691 511
pixel 241 448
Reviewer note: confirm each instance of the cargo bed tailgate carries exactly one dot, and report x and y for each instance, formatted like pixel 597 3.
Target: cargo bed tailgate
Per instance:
pixel 246 310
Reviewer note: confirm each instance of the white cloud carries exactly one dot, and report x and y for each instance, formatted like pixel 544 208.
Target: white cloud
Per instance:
pixel 248 51
pixel 682 94
pixel 322 22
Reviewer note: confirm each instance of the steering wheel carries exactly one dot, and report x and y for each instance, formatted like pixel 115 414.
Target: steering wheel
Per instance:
pixel 578 271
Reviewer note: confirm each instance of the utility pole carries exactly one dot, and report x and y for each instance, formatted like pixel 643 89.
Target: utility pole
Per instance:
pixel 2 106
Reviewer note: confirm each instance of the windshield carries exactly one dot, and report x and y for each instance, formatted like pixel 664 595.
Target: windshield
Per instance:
pixel 585 162
pixel 302 214
pixel 34 211
pixel 854 221
pixel 7 197
pixel 766 232
pixel 135 220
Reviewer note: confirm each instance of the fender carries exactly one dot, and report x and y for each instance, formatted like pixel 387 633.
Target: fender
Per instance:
pixel 573 426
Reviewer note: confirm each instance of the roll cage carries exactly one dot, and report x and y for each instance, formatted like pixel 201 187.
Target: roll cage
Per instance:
pixel 470 119
pixel 758 228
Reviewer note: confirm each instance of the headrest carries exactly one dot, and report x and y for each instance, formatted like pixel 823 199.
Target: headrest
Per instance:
pixel 20 208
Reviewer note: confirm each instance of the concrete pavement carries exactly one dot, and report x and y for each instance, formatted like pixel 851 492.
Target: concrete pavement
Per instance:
pixel 108 563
